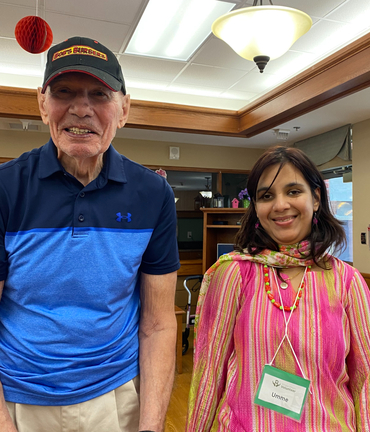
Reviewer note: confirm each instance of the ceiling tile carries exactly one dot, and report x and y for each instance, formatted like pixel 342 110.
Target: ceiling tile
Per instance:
pixel 133 83
pixel 118 11
pixel 214 77
pixel 27 3
pixel 255 82
pixel 243 96
pixel 195 90
pixel 352 11
pixel 109 34
pixel 216 52
pixel 317 8
pixel 12 80
pixel 289 64
pixel 319 36
pixel 150 68
pixel 11 52
pixel 185 99
pixel 9 16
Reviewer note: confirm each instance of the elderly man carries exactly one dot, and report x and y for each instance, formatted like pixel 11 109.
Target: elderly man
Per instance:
pixel 88 261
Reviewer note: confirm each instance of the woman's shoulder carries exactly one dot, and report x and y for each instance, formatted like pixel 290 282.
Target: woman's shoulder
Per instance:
pixel 346 271
pixel 235 260
pixel 236 264
pixel 231 265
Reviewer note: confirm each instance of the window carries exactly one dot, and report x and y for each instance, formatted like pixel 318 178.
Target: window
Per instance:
pixel 340 197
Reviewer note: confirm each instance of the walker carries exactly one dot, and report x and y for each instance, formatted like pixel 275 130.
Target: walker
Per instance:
pixel 189 318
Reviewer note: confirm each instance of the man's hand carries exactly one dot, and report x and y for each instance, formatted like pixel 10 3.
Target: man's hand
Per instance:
pixel 6 424
pixel 157 338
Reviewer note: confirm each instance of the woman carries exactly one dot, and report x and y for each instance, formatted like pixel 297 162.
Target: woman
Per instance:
pixel 282 300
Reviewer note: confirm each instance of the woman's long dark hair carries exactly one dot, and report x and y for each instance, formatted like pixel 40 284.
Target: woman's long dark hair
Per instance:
pixel 327 233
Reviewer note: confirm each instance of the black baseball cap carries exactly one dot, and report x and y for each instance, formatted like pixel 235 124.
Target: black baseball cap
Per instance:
pixel 81 54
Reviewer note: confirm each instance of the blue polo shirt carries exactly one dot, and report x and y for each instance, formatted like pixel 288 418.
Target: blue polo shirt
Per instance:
pixel 71 257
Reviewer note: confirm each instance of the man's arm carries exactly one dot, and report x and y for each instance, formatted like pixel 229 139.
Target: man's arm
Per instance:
pixel 6 424
pixel 157 338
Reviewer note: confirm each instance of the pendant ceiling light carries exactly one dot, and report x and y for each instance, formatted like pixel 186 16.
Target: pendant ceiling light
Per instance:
pixel 262 33
pixel 207 193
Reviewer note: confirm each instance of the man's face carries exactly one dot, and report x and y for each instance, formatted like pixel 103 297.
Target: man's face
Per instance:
pixel 83 114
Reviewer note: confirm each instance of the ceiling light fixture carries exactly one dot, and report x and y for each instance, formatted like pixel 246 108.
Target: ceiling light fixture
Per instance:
pixel 207 193
pixel 262 33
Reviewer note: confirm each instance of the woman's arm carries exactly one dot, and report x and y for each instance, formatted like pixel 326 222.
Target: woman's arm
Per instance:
pixel 218 305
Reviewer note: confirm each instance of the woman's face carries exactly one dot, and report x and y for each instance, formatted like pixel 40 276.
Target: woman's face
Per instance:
pixel 286 209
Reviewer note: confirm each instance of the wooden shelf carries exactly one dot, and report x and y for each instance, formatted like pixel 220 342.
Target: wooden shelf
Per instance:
pixel 189 214
pixel 217 233
pixel 223 226
pixel 223 210
pixel 190 267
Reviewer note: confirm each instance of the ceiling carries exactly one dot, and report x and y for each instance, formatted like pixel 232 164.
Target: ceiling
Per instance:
pixel 214 76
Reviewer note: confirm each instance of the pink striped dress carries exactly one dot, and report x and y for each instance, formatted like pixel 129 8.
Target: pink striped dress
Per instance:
pixel 239 330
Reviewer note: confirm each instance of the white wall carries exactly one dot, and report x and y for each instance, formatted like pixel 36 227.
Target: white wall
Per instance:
pixel 361 193
pixel 14 143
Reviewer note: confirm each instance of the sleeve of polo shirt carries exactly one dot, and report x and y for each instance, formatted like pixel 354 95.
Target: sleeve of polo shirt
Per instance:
pixel 161 255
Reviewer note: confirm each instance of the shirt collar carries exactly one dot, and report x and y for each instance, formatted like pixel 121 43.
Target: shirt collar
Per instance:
pixel 49 163
pixel 113 163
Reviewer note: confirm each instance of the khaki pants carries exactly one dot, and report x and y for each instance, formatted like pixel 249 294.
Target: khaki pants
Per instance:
pixel 116 411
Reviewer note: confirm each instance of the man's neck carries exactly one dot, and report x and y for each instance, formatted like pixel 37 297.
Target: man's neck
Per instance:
pixel 85 170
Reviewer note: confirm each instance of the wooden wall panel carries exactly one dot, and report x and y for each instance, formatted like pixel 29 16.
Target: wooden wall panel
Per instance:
pixel 3 160
pixel 366 276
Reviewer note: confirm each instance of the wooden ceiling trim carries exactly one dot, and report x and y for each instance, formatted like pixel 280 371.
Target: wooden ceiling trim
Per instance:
pixel 182 118
pixel 19 103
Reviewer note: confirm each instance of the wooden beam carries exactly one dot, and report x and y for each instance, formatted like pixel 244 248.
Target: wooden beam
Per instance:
pixel 182 118
pixel 19 103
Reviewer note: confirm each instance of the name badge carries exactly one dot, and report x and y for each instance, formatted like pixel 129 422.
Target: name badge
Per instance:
pixel 282 392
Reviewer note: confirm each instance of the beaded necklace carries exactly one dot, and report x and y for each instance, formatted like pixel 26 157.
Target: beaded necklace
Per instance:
pixel 270 295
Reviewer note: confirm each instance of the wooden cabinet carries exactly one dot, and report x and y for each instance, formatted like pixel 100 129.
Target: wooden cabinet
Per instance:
pixel 214 232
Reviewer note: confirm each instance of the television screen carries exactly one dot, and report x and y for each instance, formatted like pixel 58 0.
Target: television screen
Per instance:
pixel 224 248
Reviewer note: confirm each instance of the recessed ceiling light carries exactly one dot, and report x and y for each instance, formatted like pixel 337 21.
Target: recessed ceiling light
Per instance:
pixel 174 29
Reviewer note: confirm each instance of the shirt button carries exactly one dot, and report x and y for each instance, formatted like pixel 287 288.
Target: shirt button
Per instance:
pixel 81 218
pixel 82 194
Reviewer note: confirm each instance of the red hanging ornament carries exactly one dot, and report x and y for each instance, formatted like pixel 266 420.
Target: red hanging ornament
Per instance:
pixel 33 34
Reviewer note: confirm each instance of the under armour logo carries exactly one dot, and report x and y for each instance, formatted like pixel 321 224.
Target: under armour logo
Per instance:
pixel 120 217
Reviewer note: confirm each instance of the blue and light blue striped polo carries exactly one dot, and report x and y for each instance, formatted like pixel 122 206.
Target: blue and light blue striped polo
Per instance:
pixel 71 257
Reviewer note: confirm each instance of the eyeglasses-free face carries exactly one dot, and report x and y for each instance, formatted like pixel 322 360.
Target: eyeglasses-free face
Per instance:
pixel 285 206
